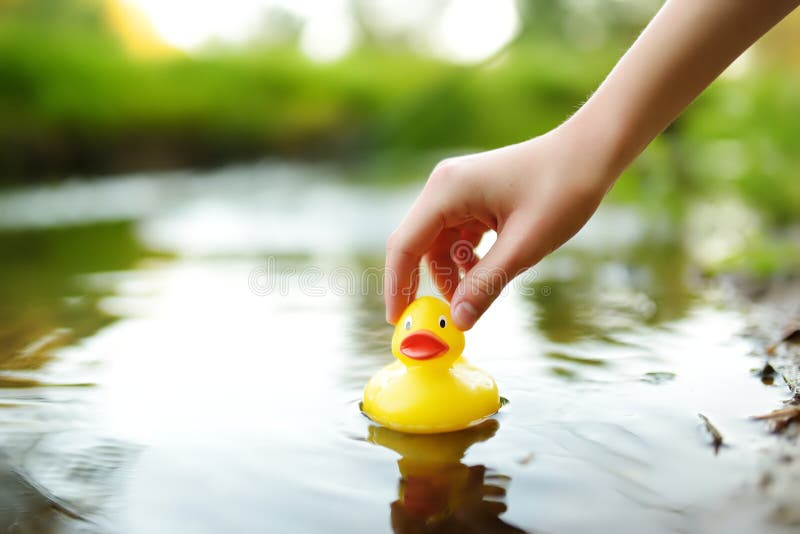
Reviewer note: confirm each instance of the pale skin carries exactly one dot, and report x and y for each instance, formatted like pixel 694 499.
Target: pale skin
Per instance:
pixel 537 194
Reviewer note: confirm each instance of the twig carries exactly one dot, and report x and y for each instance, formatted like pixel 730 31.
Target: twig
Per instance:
pixel 716 436
pixel 781 418
pixel 782 413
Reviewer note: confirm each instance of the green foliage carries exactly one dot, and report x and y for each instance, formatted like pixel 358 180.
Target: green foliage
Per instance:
pixel 743 135
pixel 72 100
pixel 762 257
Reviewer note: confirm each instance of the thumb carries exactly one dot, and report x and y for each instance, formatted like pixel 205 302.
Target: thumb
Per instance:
pixel 483 283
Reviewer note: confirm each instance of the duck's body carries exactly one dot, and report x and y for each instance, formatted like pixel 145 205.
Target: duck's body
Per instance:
pixel 422 401
pixel 431 388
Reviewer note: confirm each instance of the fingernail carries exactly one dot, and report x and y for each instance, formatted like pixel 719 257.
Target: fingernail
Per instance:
pixel 465 314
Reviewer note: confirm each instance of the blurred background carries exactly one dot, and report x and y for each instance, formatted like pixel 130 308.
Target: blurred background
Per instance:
pixel 91 87
pixel 155 154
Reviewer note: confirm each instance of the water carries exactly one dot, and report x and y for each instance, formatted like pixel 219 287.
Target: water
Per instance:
pixel 187 353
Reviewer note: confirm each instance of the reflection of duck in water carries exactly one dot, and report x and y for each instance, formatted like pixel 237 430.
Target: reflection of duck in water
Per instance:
pixel 438 493
pixel 430 388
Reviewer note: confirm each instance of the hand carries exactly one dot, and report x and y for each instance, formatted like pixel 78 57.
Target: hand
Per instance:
pixel 535 195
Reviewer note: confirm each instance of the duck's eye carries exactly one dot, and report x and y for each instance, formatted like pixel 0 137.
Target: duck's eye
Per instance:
pixel 442 321
pixel 407 323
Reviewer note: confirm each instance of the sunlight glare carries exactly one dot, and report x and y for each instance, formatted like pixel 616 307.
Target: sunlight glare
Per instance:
pixel 188 24
pixel 467 31
pixel 473 30
pixel 329 32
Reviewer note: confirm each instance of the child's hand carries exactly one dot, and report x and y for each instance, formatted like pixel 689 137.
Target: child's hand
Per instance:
pixel 535 194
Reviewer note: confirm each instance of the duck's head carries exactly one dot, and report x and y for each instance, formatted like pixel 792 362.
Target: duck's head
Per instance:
pixel 425 334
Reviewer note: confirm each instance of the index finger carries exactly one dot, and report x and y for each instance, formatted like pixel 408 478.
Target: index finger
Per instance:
pixel 404 250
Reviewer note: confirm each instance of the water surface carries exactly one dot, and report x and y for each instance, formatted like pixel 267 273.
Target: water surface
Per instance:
pixel 186 352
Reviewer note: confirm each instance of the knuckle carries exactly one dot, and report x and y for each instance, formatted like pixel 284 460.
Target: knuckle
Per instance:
pixel 488 282
pixel 396 246
pixel 444 163
pixel 445 172
pixel 392 242
pixel 483 285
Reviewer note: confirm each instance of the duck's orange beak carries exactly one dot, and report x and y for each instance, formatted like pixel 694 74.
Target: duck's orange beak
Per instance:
pixel 423 345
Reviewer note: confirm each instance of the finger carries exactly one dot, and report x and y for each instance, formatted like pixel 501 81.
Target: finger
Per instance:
pixel 494 508
pixel 441 265
pixel 463 252
pixel 511 254
pixel 473 232
pixel 404 249
pixel 490 490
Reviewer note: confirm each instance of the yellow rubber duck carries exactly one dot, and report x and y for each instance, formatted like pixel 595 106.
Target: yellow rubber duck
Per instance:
pixel 431 388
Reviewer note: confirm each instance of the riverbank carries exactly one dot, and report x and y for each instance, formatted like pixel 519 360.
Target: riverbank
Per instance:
pixel 773 310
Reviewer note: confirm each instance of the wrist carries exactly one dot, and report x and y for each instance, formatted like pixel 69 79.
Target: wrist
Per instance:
pixel 600 139
pixel 590 150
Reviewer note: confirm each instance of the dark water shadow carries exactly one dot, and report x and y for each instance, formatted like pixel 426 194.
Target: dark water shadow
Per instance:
pixel 60 482
pixel 25 507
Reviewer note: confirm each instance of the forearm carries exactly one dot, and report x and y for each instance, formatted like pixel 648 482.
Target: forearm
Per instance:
pixel 683 49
